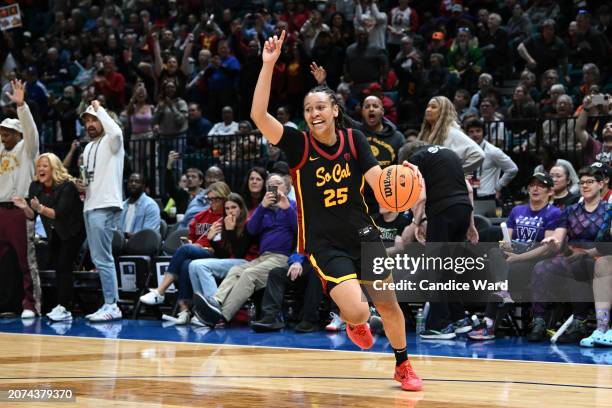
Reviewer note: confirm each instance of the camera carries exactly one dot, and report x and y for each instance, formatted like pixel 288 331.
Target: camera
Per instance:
pixel 599 99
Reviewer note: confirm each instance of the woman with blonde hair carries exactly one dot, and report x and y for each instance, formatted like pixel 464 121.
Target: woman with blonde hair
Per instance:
pixel 54 197
pixel 440 127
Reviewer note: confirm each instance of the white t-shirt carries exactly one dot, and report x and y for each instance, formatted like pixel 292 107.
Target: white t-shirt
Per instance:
pixel 222 129
pixel 103 158
pixel 17 164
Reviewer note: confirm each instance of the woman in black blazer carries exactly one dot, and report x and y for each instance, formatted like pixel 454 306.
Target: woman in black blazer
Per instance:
pixel 55 198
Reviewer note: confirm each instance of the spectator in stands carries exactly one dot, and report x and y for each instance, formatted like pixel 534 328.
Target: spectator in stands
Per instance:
pixel 528 80
pixel 548 156
pixel 488 181
pixel 284 116
pixel 228 126
pixel 64 116
pixel 606 174
pixel 549 92
pixel 541 10
pixel 496 130
pixel 140 114
pixel 373 21
pixel 559 130
pixel 139 211
pixel 233 247
pixel 544 50
pixel 111 84
pixel 198 128
pixel 103 160
pixel 494 47
pixel 521 113
pixel 591 76
pixel 485 83
pixel 439 80
pixel 198 245
pixel 461 101
pixel 592 149
pixel 36 91
pixel 274 222
pixel 440 127
pixel 254 188
pixel 170 116
pixel 310 30
pixel 171 70
pixel 54 197
pixel 223 80
pixel 18 150
pixel 346 8
pixel 518 26
pixel 200 202
pixel 437 45
pixel 562 196
pixel 182 197
pixel 306 280
pixel 528 224
pixel 364 63
pixel 465 58
pixel 403 21
pixel 604 14
pixel 330 56
pixel 593 45
pixel 580 225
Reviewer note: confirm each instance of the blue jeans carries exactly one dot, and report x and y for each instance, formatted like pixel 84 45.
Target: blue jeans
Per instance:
pixel 204 271
pixel 179 267
pixel 99 225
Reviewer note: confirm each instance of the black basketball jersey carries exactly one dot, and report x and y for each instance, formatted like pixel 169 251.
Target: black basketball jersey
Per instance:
pixel 329 182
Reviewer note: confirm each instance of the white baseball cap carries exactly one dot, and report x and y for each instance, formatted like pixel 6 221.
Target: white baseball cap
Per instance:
pixel 90 111
pixel 12 124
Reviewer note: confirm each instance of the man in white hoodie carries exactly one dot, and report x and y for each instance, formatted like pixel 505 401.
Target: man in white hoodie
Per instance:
pixel 18 151
pixel 103 172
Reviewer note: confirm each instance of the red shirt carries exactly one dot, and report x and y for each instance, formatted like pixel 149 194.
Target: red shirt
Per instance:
pixel 199 226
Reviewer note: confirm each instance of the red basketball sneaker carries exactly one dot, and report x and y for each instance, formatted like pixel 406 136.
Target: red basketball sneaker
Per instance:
pixel 409 379
pixel 360 335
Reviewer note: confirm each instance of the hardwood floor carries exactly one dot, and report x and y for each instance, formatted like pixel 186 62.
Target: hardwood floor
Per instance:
pixel 125 373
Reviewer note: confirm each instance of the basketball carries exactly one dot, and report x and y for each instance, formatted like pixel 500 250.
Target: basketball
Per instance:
pixel 398 188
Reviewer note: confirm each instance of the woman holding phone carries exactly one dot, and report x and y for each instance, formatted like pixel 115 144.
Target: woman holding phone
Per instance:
pixel 332 212
pixel 197 245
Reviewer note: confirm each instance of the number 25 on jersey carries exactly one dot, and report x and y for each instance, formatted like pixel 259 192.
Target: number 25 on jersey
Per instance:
pixel 336 196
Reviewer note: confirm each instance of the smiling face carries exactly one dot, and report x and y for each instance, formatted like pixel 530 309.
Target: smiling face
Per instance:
pixel 538 192
pixel 590 188
pixel 320 113
pixel 372 111
pixel 44 172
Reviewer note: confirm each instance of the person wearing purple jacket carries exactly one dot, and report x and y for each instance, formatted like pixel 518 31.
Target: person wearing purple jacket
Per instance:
pixel 274 221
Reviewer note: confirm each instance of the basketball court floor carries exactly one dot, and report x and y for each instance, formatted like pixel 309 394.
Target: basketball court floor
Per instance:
pixel 138 363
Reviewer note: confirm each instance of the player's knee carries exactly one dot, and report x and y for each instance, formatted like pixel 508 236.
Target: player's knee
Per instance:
pixel 356 315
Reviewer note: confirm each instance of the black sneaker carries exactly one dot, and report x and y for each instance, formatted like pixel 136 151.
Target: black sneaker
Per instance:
pixel 575 332
pixel 306 327
pixel 207 310
pixel 267 324
pixel 446 333
pixel 538 330
pixel 376 325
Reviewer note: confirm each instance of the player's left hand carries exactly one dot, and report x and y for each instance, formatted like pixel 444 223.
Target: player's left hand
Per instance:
pixel 295 270
pixel 472 235
pixel 283 201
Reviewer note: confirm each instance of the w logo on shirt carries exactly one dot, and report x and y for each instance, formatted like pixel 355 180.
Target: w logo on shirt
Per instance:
pixel 526 234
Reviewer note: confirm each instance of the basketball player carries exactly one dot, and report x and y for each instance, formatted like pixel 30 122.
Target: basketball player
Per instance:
pixel 329 165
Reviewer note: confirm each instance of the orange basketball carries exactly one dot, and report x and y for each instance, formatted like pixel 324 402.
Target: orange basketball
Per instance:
pixel 398 188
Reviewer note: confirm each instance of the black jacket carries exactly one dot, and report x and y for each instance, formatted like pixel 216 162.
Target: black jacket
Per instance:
pixel 65 200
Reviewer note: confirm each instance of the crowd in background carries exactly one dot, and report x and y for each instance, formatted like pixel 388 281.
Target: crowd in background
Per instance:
pixel 180 74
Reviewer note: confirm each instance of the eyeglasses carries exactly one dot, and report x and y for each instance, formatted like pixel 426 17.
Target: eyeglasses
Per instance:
pixel 589 182
pixel 214 198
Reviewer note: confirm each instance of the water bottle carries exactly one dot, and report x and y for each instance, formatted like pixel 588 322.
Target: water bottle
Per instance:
pixel 252 311
pixel 420 321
